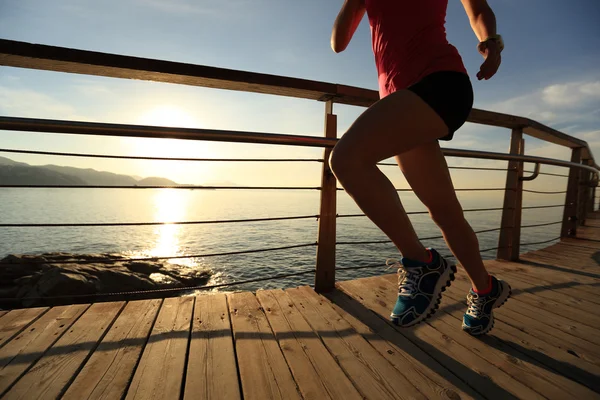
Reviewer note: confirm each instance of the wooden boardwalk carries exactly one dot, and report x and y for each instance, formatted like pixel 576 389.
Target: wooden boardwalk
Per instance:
pixel 294 344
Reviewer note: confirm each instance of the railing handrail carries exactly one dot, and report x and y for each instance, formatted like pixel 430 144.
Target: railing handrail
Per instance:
pixel 37 56
pixel 107 129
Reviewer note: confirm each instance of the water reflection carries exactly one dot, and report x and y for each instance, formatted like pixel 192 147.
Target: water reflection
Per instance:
pixel 170 205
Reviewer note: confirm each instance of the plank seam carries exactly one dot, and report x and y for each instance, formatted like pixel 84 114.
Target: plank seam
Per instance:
pixel 187 351
pixel 335 358
pixel 262 310
pixel 304 350
pixel 237 364
pixel 25 326
pixel 537 361
pixel 92 351
pixel 42 355
pixel 415 343
pixel 137 363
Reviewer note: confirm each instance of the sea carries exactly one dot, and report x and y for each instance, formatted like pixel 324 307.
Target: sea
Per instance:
pixel 198 243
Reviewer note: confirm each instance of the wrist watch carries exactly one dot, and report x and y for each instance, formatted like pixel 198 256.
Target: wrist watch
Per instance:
pixel 495 38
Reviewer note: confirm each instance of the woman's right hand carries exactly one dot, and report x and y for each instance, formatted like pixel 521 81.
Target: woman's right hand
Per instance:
pixel 490 50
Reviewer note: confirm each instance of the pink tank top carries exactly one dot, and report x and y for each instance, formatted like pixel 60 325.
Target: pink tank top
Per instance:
pixel 409 42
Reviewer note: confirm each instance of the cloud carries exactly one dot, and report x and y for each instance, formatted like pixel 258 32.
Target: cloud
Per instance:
pixel 30 103
pixel 229 8
pixel 572 94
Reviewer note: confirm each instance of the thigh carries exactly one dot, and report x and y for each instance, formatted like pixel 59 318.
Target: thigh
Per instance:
pixel 395 124
pixel 426 171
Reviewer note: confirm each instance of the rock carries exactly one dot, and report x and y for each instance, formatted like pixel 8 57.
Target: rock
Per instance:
pixel 46 275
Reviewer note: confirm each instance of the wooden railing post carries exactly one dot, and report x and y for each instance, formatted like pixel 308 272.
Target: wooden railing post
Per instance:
pixel 325 269
pixel 585 180
pixel 569 223
pixel 510 232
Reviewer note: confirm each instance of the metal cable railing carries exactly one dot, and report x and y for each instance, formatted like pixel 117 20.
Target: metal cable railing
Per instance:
pixel 544 192
pixel 69 60
pixel 185 187
pixel 427 212
pixel 135 259
pixel 88 155
pixel 90 224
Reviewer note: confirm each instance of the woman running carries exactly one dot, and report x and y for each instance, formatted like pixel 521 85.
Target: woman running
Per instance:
pixel 426 95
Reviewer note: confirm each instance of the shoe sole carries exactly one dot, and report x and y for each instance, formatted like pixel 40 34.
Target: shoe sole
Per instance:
pixel 444 282
pixel 503 298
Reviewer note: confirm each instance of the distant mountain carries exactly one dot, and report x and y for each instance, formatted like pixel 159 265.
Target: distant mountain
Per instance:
pixel 8 161
pixel 93 177
pixel 154 181
pixel 29 175
pixel 18 173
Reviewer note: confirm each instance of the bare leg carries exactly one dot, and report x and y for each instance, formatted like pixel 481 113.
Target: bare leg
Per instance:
pixel 393 125
pixel 402 123
pixel 427 173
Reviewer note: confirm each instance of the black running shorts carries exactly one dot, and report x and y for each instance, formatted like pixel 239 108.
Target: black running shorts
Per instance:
pixel 450 94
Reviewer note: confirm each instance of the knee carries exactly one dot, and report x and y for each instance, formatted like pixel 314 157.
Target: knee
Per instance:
pixel 341 161
pixel 447 214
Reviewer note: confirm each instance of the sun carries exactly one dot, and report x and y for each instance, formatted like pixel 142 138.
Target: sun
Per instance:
pixel 168 115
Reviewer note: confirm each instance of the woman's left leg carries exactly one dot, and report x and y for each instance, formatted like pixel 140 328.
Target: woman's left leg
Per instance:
pixel 397 123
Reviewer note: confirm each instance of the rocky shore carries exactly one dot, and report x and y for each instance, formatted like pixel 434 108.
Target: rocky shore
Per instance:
pixel 47 275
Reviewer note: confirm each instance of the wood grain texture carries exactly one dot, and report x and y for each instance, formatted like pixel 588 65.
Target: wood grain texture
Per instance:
pixel 160 372
pixel 109 370
pixel 314 369
pixel 49 377
pixel 212 367
pixel 16 320
pixel 31 344
pixel 263 369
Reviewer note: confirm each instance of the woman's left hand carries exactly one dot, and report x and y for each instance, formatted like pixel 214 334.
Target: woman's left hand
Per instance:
pixel 490 50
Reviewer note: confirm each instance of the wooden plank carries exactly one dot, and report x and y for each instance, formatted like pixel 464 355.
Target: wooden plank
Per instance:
pixel 160 372
pixel 211 370
pixel 577 310
pixel 565 363
pixel 325 267
pixel 571 334
pixel 430 377
pixel 371 373
pixel 314 369
pixel 471 367
pixel 16 320
pixel 108 372
pixel 558 262
pixel 554 272
pixel 30 345
pixel 572 288
pixel 263 370
pixel 51 375
pixel 515 364
pixel 573 261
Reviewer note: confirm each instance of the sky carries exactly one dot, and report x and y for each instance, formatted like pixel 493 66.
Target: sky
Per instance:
pixel 550 73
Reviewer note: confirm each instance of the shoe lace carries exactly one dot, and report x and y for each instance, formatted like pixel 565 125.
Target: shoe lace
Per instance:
pixel 408 279
pixel 475 303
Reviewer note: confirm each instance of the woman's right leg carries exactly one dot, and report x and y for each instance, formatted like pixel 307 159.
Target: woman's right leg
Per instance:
pixel 427 173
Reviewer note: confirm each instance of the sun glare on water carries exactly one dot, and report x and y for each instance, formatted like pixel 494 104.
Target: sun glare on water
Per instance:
pixel 170 206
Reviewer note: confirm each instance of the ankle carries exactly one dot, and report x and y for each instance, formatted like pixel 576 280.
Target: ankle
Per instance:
pixel 484 289
pixel 424 257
